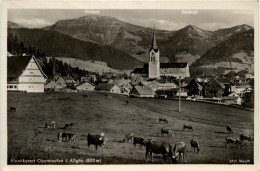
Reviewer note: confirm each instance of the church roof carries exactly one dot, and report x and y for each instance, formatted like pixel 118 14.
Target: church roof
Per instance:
pixel 154 45
pixel 143 70
pixel 173 65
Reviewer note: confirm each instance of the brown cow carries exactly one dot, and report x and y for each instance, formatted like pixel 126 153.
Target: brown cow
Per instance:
pixel 158 147
pixel 68 137
pixel 179 149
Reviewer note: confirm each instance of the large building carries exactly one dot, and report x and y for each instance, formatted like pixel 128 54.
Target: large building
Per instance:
pixel 155 68
pixel 24 74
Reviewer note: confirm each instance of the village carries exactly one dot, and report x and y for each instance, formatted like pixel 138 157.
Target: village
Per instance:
pixel 157 79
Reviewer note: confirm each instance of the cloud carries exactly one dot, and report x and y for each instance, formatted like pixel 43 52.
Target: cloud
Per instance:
pixel 33 23
pixel 159 23
pixel 163 24
pixel 90 11
pixel 213 26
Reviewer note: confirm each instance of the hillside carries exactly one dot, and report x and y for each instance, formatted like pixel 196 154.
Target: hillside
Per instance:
pixel 107 39
pixel 223 51
pixel 105 30
pixel 13 25
pixel 136 40
pixel 93 66
pixel 56 44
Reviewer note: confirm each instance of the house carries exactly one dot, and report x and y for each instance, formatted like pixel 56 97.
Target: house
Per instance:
pixel 125 91
pixel 157 85
pixel 230 94
pixel 227 83
pixel 139 91
pixel 124 85
pixel 25 74
pixel 85 86
pixel 50 85
pixel 241 88
pixel 194 87
pixel 108 87
pixel 232 100
pixel 66 81
pixel 214 88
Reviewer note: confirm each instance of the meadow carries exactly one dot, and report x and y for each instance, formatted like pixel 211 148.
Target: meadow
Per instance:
pixel 29 140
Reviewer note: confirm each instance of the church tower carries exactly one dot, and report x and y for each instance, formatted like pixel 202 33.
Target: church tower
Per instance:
pixel 154 59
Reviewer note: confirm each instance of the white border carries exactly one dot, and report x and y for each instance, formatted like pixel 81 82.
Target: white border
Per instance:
pixel 80 4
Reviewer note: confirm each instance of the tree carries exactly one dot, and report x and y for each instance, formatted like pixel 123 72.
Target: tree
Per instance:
pixel 248 97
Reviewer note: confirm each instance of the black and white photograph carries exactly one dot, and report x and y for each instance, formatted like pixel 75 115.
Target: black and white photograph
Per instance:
pixel 104 86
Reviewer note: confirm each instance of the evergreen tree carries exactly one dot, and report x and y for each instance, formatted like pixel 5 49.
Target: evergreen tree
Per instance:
pixel 248 97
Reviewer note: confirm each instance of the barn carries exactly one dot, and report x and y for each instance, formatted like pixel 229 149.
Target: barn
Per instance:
pixel 66 81
pixel 85 86
pixel 142 91
pixel 25 74
pixel 108 87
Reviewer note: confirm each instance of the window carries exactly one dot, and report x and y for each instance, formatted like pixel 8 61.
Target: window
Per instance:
pixel 15 86
pixel 11 86
pixel 31 72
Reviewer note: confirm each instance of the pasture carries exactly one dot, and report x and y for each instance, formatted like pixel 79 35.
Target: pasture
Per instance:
pixel 28 139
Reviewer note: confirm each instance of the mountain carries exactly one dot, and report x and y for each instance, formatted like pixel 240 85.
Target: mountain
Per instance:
pixel 222 34
pixel 59 45
pixel 190 44
pixel 235 52
pixel 104 30
pixel 13 25
pixel 186 44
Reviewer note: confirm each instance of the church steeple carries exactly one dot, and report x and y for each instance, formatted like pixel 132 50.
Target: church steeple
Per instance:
pixel 154 45
pixel 154 59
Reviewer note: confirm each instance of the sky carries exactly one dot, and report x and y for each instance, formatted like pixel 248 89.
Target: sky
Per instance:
pixel 162 19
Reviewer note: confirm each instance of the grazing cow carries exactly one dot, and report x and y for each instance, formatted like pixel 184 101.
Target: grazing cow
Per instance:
pixel 85 95
pixel 68 125
pixel 186 126
pixel 129 137
pixel 232 140
pixel 139 140
pixel 158 147
pixel 194 145
pixel 179 149
pixel 229 129
pixel 12 109
pixel 246 137
pixel 127 102
pixel 164 120
pixel 166 131
pixel 96 140
pixel 68 137
pixel 51 125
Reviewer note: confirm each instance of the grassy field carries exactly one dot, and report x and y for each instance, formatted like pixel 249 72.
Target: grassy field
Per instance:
pixel 27 139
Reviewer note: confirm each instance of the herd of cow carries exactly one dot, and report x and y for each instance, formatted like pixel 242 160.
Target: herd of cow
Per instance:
pixel 177 152
pixel 152 146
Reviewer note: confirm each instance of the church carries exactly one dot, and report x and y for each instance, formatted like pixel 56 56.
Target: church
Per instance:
pixel 156 67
